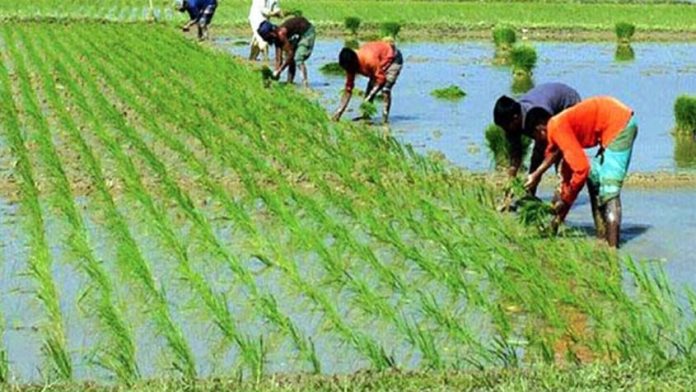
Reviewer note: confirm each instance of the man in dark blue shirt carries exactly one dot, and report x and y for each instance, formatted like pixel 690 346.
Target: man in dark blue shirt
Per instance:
pixel 521 117
pixel 201 13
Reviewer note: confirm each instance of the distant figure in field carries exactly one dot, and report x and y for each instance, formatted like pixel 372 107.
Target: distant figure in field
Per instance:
pixel 294 42
pixel 520 118
pixel 201 13
pixel 261 11
pixel 381 62
pixel 597 121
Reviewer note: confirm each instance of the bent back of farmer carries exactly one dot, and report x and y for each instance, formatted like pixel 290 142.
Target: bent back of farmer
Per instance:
pixel 381 62
pixel 294 41
pixel 201 12
pixel 521 117
pixel 598 121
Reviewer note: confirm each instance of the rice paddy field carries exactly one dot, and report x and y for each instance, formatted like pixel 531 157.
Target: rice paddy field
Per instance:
pixel 654 19
pixel 168 221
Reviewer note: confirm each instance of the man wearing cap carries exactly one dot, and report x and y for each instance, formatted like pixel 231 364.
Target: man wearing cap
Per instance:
pixel 201 13
pixel 518 118
pixel 381 62
pixel 261 11
pixel 598 121
pixel 294 42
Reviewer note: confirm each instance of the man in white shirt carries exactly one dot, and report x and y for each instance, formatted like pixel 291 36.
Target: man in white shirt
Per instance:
pixel 261 10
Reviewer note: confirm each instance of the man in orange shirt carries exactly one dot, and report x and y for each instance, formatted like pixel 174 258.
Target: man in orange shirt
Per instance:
pixel 597 121
pixel 381 62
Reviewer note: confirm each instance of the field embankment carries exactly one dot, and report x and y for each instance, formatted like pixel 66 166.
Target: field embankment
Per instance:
pixel 421 19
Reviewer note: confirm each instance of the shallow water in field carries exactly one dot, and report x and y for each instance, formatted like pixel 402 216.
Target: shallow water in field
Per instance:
pixel 649 84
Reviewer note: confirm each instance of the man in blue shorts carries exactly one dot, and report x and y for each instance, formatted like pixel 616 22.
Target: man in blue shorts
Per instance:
pixel 201 13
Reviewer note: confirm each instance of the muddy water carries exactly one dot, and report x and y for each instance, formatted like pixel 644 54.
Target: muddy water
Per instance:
pixel 657 225
pixel 649 84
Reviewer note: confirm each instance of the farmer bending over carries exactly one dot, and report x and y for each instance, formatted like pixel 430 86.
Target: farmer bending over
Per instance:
pixel 597 121
pixel 261 11
pixel 518 118
pixel 201 13
pixel 381 62
pixel 294 42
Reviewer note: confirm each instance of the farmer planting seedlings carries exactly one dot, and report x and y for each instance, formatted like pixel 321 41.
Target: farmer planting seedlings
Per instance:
pixel 520 118
pixel 261 11
pixel 201 13
pixel 597 121
pixel 294 42
pixel 381 62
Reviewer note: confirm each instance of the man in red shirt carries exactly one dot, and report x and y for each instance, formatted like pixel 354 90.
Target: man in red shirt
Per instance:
pixel 381 62
pixel 597 121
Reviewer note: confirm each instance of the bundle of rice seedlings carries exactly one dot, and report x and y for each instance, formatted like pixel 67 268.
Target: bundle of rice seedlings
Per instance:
pixel 624 53
pixel 624 31
pixel 451 93
pixel 390 29
pixel 534 212
pixel 685 114
pixel 504 36
pixel 499 146
pixel 352 24
pixel 367 109
pixel 332 69
pixel 524 58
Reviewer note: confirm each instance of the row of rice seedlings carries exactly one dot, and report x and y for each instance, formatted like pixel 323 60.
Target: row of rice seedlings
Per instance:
pixel 251 353
pixel 271 199
pixel 54 345
pixel 129 256
pixel 270 309
pixel 119 354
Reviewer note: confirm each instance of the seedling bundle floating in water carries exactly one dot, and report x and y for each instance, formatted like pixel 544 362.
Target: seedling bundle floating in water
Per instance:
pixel 685 114
pixel 451 93
pixel 624 32
pixel 332 69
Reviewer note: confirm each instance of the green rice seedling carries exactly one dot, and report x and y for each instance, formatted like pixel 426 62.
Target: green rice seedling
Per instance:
pixel 685 150
pixel 271 200
pixel 624 32
pixel 536 213
pixel 624 53
pixel 216 304
pixel 685 114
pixel 367 109
pixel 129 256
pixel 120 354
pixel 390 29
pixel 523 59
pixel 332 69
pixel 352 24
pixel 54 345
pixel 451 93
pixel 498 146
pixel 504 37
pixel 521 83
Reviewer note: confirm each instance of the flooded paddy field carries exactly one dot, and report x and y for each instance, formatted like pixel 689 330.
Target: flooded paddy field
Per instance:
pixel 152 229
pixel 649 84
